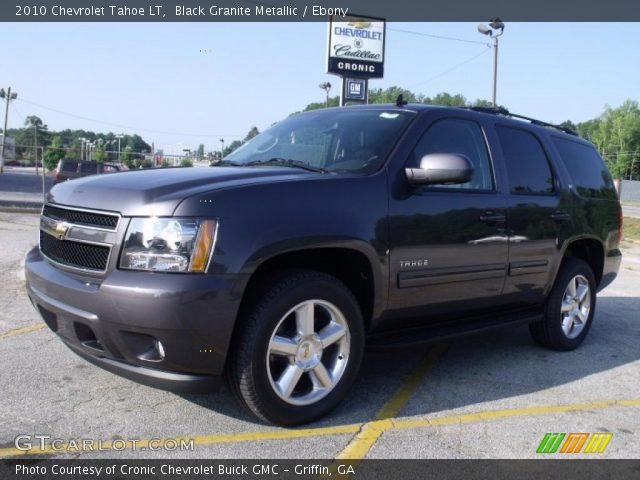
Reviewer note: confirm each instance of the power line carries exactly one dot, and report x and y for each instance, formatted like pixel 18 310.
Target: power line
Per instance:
pixel 455 67
pixel 439 37
pixel 128 127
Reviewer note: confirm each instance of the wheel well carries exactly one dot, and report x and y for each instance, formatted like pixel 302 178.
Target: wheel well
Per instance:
pixel 590 251
pixel 349 266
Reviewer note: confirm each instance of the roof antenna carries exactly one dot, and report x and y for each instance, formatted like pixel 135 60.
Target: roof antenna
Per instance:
pixel 400 101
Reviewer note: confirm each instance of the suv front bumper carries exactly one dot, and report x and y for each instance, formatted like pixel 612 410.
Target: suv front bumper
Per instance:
pixel 169 331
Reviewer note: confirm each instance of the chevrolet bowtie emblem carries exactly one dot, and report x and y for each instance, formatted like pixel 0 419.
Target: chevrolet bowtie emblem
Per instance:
pixel 56 228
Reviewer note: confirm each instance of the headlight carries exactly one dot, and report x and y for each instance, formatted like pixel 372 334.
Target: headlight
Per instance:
pixel 168 244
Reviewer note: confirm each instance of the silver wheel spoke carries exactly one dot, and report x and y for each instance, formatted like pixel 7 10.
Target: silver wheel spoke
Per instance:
pixel 582 292
pixel 567 324
pixel 331 334
pixel 289 379
pixel 304 318
pixel 571 288
pixel 581 316
pixel 283 346
pixel 320 376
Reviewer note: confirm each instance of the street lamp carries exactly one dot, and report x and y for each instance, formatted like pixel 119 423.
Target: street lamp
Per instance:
pixel 119 137
pixel 7 96
pixel 222 148
pixel 326 86
pixel 493 30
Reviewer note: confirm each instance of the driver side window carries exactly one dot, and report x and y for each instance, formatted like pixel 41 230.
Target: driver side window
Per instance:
pixel 459 136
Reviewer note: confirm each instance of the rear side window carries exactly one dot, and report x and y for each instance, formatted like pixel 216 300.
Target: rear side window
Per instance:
pixel 587 170
pixel 527 164
pixel 454 135
pixel 89 168
pixel 69 167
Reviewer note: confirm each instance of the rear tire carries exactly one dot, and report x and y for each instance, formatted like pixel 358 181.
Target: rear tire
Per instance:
pixel 569 308
pixel 298 350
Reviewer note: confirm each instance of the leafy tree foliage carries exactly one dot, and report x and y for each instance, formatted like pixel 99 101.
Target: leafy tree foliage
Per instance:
pixel 54 153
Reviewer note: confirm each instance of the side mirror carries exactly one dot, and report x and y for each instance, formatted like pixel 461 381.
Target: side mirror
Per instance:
pixel 441 168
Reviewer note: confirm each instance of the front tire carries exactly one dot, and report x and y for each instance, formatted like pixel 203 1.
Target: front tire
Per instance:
pixel 298 350
pixel 569 309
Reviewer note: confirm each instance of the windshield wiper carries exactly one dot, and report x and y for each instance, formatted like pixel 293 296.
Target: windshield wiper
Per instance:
pixel 287 162
pixel 227 163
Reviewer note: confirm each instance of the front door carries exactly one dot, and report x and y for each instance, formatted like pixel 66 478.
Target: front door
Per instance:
pixel 449 242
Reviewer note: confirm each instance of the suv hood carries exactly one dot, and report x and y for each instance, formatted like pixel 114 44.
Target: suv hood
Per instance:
pixel 159 191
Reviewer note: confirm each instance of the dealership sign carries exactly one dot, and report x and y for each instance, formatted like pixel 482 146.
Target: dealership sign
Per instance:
pixel 356 46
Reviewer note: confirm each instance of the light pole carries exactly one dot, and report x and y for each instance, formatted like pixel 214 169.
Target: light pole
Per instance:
pixel 494 30
pixel 8 96
pixel 326 86
pixel 119 137
pixel 82 140
pixel 222 148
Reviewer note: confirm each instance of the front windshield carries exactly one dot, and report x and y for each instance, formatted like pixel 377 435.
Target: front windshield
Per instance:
pixel 349 140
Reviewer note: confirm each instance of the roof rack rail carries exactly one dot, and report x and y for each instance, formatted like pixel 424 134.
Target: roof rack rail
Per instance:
pixel 506 113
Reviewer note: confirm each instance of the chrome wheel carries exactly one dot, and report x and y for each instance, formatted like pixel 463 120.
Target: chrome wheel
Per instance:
pixel 575 307
pixel 308 352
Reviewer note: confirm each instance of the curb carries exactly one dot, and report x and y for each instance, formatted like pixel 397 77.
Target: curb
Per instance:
pixel 20 207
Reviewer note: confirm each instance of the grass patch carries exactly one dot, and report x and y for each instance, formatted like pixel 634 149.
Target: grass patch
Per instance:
pixel 631 228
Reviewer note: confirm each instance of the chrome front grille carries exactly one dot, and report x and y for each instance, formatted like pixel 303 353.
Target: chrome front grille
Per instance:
pixel 78 239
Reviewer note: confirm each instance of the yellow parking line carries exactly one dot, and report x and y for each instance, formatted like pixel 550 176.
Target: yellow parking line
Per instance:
pixel 381 425
pixel 371 431
pixel 20 331
pixel 513 412
pixel 200 439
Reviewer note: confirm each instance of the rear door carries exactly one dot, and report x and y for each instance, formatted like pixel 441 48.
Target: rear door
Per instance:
pixel 449 246
pixel 536 215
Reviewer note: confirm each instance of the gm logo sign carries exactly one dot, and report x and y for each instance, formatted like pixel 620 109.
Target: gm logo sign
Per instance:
pixel 356 89
pixel 574 442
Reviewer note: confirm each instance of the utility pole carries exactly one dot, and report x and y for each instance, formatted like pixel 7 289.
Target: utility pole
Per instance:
pixel 8 96
pixel 35 145
pixel 119 137
pixel 222 148
pixel 496 30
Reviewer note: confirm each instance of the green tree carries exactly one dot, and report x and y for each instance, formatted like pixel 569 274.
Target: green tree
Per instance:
pixel 446 99
pixel 186 162
pixel 128 157
pixel 54 153
pixel 252 133
pixel 200 151
pixel 617 135
pixel 39 134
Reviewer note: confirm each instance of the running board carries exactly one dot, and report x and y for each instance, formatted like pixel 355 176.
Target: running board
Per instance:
pixel 440 332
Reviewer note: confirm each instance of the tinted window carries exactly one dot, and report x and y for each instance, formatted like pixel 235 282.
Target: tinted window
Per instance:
pixel 453 135
pixel 527 164
pixel 69 167
pixel 588 171
pixel 89 168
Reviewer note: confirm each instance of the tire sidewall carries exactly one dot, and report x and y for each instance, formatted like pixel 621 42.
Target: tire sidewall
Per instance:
pixel 553 315
pixel 325 289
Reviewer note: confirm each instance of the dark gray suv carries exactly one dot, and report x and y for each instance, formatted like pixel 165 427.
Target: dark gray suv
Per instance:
pixel 332 230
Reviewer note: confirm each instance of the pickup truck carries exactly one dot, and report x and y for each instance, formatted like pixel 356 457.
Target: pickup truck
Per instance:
pixel 336 229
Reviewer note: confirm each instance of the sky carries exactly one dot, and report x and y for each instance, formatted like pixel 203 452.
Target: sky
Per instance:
pixel 182 84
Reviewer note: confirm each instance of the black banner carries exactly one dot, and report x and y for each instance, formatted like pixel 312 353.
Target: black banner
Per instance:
pixel 298 10
pixel 81 469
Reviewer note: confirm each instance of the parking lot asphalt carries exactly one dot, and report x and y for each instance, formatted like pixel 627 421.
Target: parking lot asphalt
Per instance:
pixel 493 395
